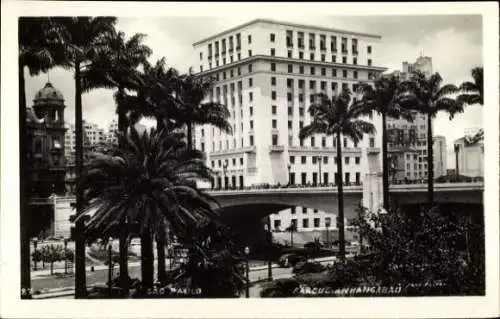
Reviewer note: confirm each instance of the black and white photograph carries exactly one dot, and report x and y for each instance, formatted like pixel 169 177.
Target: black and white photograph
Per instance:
pixel 229 151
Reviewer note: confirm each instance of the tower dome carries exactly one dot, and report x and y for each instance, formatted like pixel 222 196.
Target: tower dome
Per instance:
pixel 48 95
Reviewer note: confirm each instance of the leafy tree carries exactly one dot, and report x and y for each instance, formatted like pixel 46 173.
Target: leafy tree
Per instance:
pixel 150 180
pixel 382 98
pixel 194 111
pixel 338 117
pixel 83 38
pixel 431 246
pixel 51 254
pixel 292 228
pixel 473 92
pixel 429 97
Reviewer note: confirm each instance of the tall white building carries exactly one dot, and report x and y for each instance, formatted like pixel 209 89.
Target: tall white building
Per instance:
pixel 92 136
pixel 407 145
pixel 267 73
pixel 439 156
pixel 470 156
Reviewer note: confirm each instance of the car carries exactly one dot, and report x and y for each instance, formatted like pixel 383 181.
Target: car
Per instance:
pixel 290 260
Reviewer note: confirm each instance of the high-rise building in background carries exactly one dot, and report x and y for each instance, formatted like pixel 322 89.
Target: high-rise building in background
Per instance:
pixel 267 74
pixel 439 156
pixel 93 136
pixel 407 141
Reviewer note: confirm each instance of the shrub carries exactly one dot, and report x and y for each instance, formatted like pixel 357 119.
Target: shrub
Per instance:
pixel 280 288
pixel 308 267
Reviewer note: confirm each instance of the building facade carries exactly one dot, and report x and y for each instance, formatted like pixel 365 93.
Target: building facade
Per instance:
pixel 267 74
pixel 470 155
pixel 440 156
pixel 407 141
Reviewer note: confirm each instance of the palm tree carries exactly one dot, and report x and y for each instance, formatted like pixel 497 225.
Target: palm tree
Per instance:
pixel 428 96
pixel 383 99
pixel 84 37
pixel 473 92
pixel 116 66
pixel 150 180
pixel 39 50
pixel 337 117
pixel 194 90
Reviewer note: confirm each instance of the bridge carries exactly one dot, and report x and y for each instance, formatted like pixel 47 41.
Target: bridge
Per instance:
pixel 246 203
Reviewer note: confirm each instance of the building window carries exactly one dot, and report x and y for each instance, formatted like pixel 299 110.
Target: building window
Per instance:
pixel 301 84
pixel 355 75
pixel 249 39
pixel 301 69
pixel 251 125
pixel 305 223
pixel 344 73
pixel 355 61
pixel 290 68
pixel 311 56
pixel 289 83
pixel 323 141
pixel 292 160
pixel 301 55
pixel 323 58
pixel 273 52
pixel 250 82
pixel 323 71
pixel 273 81
pixel 289 125
pixel 201 68
pixel 250 96
pixel 346 160
pixel 274 123
pixel 290 110
pixel 289 97
pixel 289 54
pixel 344 59
pixel 273 36
pixel 273 67
pixel 250 68
pixel 357 160
pixel 316 222
pixel 275 139
pixel 334 72
pixel 369 62
pixel 251 140
pixel 303 159
pixel 273 108
pixel 314 160
pixel 311 98
pixel 273 95
pixel 369 49
pixel 301 112
pixel 372 142
pixel 239 56
pixel 312 85
pixel 301 125
pixel 277 224
pixel 251 111
pixel 347 178
pixel 313 70
pixel 345 142
pixel 292 210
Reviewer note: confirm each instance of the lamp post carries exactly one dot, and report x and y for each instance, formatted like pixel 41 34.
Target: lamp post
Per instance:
pixel 224 169
pixel 267 228
pixel 289 174
pixel 319 164
pixel 457 150
pixel 247 269
pixel 110 260
pixel 327 225
pixel 65 256
pixel 35 242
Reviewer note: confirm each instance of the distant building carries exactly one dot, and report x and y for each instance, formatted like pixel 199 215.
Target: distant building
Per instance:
pixel 440 155
pixel 93 137
pixel 407 145
pixel 470 155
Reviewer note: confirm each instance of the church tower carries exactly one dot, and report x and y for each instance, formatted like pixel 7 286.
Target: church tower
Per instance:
pixel 45 124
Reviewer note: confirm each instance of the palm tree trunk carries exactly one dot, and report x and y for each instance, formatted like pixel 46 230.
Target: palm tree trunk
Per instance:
pixel 123 231
pixel 385 169
pixel 80 280
pixel 340 187
pixel 147 262
pixel 189 136
pixel 24 187
pixel 160 247
pixel 456 163
pixel 291 238
pixel 430 166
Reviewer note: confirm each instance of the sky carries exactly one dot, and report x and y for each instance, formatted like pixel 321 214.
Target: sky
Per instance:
pixel 453 41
